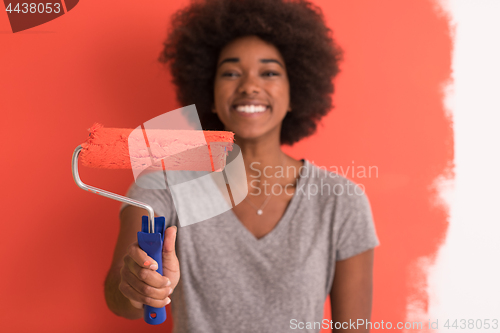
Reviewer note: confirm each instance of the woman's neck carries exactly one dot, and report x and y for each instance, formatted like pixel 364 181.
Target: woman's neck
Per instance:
pixel 261 152
pixel 264 159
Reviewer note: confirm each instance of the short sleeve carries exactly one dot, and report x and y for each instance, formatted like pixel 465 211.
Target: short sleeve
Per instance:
pixel 356 230
pixel 150 189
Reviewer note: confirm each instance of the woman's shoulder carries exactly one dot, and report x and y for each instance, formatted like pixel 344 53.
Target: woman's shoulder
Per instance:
pixel 328 185
pixel 326 175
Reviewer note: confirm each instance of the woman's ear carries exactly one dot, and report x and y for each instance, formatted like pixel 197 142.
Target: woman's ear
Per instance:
pixel 213 108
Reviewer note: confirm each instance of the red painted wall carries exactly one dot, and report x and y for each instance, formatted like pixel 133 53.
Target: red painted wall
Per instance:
pixel 98 64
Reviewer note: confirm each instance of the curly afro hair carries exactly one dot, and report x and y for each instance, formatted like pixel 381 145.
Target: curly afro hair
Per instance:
pixel 296 28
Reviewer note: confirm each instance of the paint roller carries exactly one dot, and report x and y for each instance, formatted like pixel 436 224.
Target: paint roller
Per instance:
pixel 152 149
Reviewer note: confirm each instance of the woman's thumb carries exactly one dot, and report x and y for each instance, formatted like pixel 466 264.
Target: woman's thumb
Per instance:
pixel 169 245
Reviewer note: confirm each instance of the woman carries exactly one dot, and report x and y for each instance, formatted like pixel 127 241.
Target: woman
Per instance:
pixel 262 69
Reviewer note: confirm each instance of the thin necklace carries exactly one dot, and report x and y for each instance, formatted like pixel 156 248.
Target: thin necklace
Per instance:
pixel 260 210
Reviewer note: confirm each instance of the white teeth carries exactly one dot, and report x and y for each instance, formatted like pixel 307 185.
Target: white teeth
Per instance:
pixel 251 108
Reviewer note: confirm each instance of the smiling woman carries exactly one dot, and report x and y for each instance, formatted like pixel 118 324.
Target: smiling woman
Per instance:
pixel 252 93
pixel 295 28
pixel 262 69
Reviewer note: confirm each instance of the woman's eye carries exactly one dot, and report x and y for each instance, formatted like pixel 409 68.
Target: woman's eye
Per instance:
pixel 271 74
pixel 230 74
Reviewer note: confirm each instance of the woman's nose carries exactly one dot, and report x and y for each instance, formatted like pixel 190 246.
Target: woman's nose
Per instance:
pixel 249 85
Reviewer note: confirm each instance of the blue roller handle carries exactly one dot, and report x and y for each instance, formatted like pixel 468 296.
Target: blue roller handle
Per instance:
pixel 152 244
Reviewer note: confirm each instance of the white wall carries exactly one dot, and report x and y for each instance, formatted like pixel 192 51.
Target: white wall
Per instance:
pixel 464 282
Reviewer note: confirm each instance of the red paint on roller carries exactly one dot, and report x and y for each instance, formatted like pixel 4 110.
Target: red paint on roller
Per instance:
pixel 122 148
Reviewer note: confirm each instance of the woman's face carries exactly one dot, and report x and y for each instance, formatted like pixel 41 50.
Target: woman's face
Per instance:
pixel 251 91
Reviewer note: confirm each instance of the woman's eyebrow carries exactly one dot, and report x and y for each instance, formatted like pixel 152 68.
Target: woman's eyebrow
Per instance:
pixel 264 61
pixel 228 60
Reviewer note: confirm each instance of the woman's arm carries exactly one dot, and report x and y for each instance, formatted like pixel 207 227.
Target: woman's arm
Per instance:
pixel 351 294
pixel 130 219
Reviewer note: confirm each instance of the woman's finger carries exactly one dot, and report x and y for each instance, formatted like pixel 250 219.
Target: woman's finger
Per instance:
pixel 170 261
pixel 135 297
pixel 136 304
pixel 148 276
pixel 141 257
pixel 142 288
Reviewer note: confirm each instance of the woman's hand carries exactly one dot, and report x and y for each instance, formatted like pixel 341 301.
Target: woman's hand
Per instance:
pixel 141 283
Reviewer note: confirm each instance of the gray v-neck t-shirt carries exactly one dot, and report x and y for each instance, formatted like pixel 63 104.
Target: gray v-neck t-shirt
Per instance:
pixel 232 282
